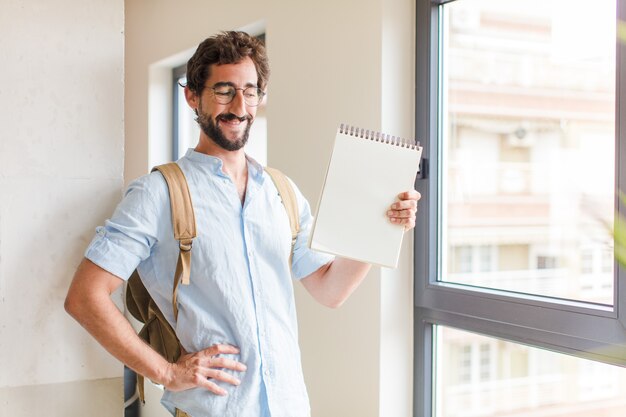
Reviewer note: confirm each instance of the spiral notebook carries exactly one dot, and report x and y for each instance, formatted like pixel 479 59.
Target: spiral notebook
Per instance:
pixel 366 172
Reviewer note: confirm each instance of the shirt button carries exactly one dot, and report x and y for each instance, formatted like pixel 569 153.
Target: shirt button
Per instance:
pixel 267 372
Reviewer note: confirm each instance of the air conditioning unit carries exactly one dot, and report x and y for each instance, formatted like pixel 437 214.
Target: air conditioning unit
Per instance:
pixel 520 138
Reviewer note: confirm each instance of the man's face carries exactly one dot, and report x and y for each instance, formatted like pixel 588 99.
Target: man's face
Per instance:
pixel 228 125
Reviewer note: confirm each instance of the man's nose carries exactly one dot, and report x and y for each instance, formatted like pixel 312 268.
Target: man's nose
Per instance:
pixel 238 105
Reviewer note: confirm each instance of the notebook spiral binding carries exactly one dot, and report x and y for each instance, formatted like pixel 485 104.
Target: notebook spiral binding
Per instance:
pixel 377 136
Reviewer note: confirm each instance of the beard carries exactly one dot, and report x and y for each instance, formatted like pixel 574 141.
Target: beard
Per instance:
pixel 214 133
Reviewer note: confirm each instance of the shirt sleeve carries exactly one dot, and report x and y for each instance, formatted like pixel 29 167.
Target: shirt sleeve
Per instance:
pixel 305 260
pixel 126 239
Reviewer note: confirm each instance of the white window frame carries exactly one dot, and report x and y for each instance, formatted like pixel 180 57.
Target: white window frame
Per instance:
pixel 177 73
pixel 576 328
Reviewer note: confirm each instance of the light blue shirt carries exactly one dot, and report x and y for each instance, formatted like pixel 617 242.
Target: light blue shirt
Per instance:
pixel 241 289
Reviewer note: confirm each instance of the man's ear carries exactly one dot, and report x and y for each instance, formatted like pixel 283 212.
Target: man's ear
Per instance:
pixel 193 100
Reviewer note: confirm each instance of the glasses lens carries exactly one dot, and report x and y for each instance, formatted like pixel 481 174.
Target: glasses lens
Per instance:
pixel 253 96
pixel 224 94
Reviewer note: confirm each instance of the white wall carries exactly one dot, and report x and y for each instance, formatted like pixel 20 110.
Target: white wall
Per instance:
pixel 355 60
pixel 396 311
pixel 61 162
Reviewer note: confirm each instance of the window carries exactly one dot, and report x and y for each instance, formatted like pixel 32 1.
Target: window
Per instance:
pixel 505 379
pixel 520 118
pixel 185 130
pixel 546 262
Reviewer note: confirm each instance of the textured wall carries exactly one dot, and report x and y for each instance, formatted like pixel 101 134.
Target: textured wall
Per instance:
pixel 61 169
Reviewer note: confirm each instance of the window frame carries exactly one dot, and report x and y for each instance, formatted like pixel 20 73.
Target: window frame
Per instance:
pixel 582 329
pixel 177 73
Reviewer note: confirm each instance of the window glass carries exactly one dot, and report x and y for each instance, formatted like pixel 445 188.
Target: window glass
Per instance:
pixel 188 130
pixel 528 146
pixel 481 376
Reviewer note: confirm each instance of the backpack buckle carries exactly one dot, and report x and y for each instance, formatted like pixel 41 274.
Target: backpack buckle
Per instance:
pixel 185 245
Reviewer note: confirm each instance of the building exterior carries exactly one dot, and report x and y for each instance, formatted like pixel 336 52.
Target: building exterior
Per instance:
pixel 529 151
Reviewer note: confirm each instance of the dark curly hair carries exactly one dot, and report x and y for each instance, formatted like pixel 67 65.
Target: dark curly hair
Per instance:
pixel 226 48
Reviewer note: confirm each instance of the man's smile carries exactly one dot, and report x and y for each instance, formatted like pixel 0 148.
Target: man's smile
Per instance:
pixel 233 122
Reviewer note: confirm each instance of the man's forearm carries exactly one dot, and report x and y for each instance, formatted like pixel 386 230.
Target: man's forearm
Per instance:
pixel 332 284
pixel 89 302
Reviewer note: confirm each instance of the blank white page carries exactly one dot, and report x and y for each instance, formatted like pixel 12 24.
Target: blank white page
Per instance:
pixel 364 178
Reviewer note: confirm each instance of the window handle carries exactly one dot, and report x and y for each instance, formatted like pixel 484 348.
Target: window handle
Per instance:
pixel 422 174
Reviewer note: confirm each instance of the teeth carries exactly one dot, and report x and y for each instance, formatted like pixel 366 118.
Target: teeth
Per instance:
pixel 233 123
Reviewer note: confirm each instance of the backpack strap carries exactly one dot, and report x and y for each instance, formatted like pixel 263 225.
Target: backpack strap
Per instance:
pixel 288 197
pixel 183 223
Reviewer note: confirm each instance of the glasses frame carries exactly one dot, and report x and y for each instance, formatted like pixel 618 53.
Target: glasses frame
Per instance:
pixel 232 97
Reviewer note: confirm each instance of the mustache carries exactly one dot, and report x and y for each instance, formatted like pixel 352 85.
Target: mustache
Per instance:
pixel 229 116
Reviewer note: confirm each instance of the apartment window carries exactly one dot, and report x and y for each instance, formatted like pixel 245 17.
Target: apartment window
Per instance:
pixel 520 117
pixel 465 364
pixel 546 262
pixel 485 360
pixel 587 261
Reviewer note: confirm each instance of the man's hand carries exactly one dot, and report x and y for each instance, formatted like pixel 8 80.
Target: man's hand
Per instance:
pixel 403 211
pixel 197 369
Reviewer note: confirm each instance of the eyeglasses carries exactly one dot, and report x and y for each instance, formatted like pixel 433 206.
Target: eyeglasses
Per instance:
pixel 224 94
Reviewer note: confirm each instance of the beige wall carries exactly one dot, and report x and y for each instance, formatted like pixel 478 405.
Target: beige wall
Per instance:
pixel 61 161
pixel 354 60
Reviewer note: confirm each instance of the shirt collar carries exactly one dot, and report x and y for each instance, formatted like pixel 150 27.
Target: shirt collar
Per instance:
pixel 215 164
pixel 255 169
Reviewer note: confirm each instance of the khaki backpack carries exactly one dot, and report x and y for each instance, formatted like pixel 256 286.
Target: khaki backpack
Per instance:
pixel 157 331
